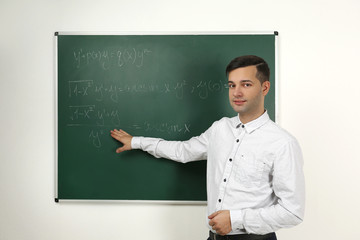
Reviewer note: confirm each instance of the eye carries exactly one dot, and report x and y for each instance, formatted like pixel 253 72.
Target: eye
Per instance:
pixel 247 84
pixel 231 85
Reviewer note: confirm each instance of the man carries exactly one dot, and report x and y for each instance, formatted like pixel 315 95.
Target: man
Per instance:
pixel 255 182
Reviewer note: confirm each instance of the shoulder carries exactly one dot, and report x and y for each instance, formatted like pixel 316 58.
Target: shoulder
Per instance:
pixel 279 134
pixel 285 146
pixel 223 126
pixel 226 122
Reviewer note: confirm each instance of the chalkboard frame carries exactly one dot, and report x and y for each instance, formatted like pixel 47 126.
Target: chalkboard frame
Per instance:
pixel 171 202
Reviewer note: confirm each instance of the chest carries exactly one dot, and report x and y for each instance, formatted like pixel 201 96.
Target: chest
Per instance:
pixel 247 158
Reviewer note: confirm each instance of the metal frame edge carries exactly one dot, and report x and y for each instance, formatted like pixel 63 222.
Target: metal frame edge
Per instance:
pixel 155 202
pixel 144 33
pixel 166 33
pixel 56 114
pixel 277 79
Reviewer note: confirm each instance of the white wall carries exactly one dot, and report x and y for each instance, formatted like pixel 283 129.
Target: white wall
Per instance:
pixel 319 84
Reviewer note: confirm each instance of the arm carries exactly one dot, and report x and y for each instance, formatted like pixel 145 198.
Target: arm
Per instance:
pixel 288 186
pixel 181 151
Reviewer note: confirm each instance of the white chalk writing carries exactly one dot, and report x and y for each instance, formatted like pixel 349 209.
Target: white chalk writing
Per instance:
pixel 110 58
pixel 180 90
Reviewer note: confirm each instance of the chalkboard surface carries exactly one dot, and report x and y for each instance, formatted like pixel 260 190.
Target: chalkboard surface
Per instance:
pixel 167 86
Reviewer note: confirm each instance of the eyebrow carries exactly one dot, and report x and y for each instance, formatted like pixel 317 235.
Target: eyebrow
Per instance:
pixel 241 81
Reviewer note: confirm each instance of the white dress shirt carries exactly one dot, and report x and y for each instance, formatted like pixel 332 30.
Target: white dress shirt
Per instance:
pixel 254 170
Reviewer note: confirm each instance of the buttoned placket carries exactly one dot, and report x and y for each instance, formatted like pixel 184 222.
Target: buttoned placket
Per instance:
pixel 229 166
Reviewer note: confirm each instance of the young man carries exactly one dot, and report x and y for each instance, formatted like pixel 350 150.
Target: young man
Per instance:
pixel 255 182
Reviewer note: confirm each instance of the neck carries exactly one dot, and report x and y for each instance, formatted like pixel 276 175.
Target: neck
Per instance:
pixel 246 118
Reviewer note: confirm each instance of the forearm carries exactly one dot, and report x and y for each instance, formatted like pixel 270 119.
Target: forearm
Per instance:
pixel 264 220
pixel 146 144
pixel 191 150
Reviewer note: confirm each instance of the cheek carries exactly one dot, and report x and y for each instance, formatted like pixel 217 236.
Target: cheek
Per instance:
pixel 256 96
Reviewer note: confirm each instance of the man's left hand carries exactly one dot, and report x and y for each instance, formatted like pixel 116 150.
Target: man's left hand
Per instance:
pixel 220 222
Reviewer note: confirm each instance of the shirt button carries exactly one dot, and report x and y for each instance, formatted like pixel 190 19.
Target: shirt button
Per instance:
pixel 230 159
pixel 225 180
pixel 219 200
pixel 243 126
pixel 237 140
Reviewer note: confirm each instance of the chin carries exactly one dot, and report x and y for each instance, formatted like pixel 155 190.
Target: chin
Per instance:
pixel 238 110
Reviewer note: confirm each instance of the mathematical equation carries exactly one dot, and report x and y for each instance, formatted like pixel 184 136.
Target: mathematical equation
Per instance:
pixel 96 136
pixel 98 119
pixel 180 90
pixel 108 59
pixel 88 115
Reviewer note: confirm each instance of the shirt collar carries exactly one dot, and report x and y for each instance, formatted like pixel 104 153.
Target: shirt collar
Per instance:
pixel 254 124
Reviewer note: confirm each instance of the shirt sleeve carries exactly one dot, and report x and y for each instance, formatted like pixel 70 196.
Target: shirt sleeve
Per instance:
pixel 288 186
pixel 181 151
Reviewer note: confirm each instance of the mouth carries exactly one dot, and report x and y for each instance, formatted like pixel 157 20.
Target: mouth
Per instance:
pixel 239 102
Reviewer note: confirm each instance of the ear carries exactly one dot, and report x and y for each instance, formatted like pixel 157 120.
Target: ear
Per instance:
pixel 265 88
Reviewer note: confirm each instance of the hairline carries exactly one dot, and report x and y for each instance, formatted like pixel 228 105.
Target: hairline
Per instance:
pixel 257 74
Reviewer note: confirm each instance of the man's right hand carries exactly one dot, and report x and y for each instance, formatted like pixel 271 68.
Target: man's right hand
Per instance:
pixel 122 137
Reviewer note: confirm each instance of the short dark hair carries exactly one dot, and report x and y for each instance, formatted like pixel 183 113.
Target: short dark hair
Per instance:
pixel 263 71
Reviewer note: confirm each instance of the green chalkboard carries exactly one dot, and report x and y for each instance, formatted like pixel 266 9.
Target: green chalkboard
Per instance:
pixel 167 86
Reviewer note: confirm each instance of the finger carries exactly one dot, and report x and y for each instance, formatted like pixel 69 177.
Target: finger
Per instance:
pixel 116 136
pixel 213 215
pixel 119 133
pixel 115 131
pixel 119 150
pixel 215 228
pixel 211 223
pixel 123 132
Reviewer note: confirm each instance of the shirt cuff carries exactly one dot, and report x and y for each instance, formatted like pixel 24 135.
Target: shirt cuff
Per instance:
pixel 136 142
pixel 237 222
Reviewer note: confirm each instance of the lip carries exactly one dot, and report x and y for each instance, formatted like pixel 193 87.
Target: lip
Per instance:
pixel 239 102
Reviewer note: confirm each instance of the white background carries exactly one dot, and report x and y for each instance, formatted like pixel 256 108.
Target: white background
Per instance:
pixel 318 103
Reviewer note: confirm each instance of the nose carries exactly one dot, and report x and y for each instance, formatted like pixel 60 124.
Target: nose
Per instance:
pixel 237 92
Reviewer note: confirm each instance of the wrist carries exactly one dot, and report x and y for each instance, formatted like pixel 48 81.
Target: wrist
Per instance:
pixel 135 142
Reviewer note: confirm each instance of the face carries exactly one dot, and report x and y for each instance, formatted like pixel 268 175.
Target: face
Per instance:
pixel 246 93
